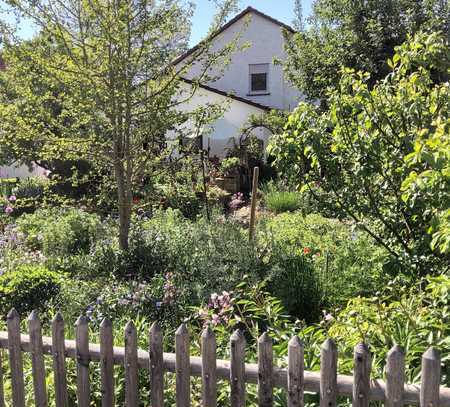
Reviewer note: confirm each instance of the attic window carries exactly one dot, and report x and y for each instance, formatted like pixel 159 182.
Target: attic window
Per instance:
pixel 259 78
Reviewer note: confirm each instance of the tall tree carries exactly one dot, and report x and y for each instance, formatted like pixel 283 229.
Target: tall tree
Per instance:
pixel 359 34
pixel 107 89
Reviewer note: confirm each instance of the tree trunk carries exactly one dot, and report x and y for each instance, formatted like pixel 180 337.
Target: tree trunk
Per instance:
pixel 124 205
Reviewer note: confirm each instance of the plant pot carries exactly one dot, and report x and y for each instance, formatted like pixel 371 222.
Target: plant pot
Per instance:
pixel 230 184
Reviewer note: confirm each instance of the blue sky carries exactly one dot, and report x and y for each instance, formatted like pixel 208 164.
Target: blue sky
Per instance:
pixel 280 9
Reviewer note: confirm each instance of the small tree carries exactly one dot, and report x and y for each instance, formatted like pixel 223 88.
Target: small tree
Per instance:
pixel 103 87
pixel 375 148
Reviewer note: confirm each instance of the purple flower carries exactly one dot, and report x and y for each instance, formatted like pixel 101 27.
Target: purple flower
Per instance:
pixel 12 198
pixel 9 210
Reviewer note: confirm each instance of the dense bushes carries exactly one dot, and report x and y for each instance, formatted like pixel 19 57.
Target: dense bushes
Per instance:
pixel 326 261
pixel 28 288
pixel 309 262
pixel 380 152
pixel 59 232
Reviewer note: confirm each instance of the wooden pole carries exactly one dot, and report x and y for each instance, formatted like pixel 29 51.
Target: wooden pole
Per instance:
pixel 253 205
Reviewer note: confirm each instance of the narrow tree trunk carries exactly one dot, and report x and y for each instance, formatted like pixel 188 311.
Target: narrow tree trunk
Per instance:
pixel 124 205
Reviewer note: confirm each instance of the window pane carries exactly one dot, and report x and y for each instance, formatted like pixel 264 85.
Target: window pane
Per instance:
pixel 259 82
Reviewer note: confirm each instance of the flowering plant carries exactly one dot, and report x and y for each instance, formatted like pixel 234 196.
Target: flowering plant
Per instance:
pixel 237 201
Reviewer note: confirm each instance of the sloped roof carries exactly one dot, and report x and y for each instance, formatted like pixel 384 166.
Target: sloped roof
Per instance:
pixel 239 16
pixel 229 95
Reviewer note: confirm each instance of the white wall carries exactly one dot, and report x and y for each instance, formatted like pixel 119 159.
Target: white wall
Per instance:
pixel 21 171
pixel 228 126
pixel 266 43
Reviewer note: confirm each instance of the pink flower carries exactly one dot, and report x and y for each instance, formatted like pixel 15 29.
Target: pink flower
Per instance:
pixel 215 319
pixel 12 198
pixel 9 210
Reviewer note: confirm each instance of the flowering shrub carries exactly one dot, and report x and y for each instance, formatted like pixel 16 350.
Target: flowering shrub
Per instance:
pixel 237 201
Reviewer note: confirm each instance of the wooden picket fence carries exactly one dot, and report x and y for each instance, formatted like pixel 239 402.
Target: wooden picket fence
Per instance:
pixel 294 379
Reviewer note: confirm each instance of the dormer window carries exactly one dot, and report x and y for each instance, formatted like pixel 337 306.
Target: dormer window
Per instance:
pixel 259 79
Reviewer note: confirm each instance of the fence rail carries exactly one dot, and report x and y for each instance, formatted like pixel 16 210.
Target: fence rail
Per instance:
pixel 294 379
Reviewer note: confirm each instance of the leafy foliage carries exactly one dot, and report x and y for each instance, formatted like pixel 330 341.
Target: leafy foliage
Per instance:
pixel 28 288
pixel 59 232
pixel 280 200
pixel 98 87
pixel 361 152
pixel 361 36
pixel 326 260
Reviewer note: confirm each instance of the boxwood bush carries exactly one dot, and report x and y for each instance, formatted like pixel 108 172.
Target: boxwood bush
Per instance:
pixel 28 288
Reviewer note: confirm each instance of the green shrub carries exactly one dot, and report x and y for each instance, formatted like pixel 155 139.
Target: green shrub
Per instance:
pixel 27 288
pixel 282 201
pixel 30 189
pixel 345 261
pixel 59 232
pixel 278 198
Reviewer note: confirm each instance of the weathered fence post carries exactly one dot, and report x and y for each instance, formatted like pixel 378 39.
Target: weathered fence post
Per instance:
pixel 209 369
pixel 253 203
pixel 328 374
pixel 265 371
pixel 59 361
pixel 431 376
pixel 15 359
pixel 361 376
pixel 82 351
pixel 295 375
pixel 183 368
pixel 2 392
pixel 395 377
pixel 107 363
pixel 131 366
pixel 37 360
pixel 156 366
pixel 237 369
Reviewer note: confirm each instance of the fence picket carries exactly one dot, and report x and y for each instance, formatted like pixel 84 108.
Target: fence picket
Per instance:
pixel 107 363
pixel 82 350
pixel 237 369
pixel 431 374
pixel 183 369
pixel 328 374
pixel 15 359
pixel 361 376
pixel 393 392
pixel 37 360
pixel 59 361
pixel 131 366
pixel 209 369
pixel 156 366
pixel 265 371
pixel 295 376
pixel 2 392
pixel 395 377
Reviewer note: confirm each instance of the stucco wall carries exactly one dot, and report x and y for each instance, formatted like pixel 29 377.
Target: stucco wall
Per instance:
pixel 265 42
pixel 21 171
pixel 221 133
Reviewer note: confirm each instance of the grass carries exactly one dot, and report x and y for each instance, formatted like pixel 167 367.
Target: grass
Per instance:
pixel 282 201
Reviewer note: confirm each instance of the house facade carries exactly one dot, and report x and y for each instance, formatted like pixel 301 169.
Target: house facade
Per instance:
pixel 251 83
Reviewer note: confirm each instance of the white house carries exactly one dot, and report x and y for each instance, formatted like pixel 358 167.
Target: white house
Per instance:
pixel 251 82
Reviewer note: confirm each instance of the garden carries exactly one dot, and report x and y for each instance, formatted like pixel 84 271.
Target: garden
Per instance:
pixel 352 235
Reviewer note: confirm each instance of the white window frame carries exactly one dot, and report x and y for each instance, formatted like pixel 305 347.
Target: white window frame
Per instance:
pixel 256 69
